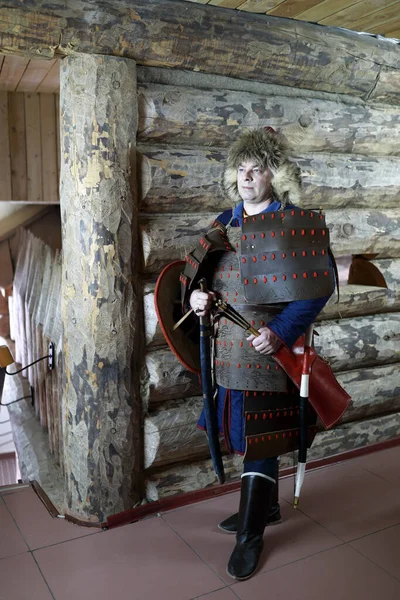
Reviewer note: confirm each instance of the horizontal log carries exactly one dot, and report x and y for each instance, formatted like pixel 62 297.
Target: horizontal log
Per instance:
pixel 187 477
pixel 347 344
pixel 353 435
pixel 374 391
pixel 164 378
pixel 181 116
pixel 390 269
pixel 171 435
pixel 242 45
pixel 353 231
pixel 178 479
pixel 354 301
pixel 360 342
pixel 189 180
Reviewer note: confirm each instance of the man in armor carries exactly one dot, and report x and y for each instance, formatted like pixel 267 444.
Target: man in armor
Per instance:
pixel 271 264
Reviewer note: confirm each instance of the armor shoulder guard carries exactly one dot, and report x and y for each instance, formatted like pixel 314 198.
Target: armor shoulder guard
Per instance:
pixel 215 239
pixel 285 256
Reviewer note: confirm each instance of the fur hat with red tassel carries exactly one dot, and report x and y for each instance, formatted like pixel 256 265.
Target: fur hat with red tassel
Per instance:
pixel 269 149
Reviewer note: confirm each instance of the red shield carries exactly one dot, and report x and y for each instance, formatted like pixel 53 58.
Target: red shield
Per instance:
pixel 183 341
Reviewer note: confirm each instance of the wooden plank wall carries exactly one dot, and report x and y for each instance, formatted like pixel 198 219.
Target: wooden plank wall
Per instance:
pixel 35 319
pixel 349 153
pixel 30 157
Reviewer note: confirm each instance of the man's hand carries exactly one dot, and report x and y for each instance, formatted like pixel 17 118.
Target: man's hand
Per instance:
pixel 201 302
pixel 266 343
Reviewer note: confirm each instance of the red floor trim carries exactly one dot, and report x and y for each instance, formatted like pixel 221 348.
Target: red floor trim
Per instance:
pixel 135 514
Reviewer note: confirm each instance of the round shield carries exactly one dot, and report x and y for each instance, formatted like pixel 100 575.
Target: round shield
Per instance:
pixel 184 340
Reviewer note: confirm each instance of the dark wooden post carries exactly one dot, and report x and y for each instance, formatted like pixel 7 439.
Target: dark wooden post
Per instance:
pixel 101 307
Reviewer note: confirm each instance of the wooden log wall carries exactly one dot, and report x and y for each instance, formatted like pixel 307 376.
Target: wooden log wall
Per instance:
pixel 349 154
pixel 35 318
pixel 30 155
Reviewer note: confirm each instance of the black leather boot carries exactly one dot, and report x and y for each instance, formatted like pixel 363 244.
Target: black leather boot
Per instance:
pixel 230 524
pixel 255 502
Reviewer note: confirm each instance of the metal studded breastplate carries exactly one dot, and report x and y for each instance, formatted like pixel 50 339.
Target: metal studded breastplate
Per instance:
pixel 285 256
pixel 237 365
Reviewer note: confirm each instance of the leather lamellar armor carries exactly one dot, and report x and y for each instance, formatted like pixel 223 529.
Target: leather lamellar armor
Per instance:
pixel 284 257
pixel 271 401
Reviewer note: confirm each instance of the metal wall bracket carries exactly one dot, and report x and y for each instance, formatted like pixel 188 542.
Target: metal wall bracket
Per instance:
pixel 52 357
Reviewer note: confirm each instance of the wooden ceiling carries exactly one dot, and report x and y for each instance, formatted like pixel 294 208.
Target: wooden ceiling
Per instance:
pixel 373 16
pixel 19 74
pixel 379 17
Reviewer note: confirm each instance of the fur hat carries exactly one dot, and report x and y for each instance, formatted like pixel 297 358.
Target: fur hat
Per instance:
pixel 269 149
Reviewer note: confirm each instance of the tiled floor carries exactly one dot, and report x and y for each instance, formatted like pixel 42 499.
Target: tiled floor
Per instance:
pixel 343 542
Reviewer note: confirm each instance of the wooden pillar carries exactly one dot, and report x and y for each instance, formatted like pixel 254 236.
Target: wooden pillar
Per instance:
pixel 101 306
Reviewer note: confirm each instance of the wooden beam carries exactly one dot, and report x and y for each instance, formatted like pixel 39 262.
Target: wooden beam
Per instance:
pixel 178 180
pixel 352 343
pixel 171 434
pixel 179 115
pixel 189 36
pixel 5 159
pixel 352 232
pixel 355 301
pixel 101 306
pixel 33 148
pixel 169 480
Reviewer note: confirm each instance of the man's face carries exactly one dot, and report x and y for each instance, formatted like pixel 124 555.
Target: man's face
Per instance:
pixel 254 182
